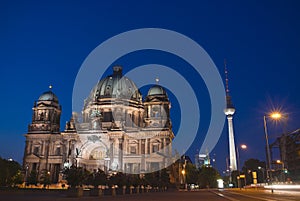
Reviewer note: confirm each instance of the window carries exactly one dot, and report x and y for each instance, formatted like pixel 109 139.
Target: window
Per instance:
pixel 58 151
pixel 107 91
pixel 155 147
pixel 97 154
pixel 155 111
pixel 34 166
pixel 107 117
pixel 36 150
pixel 133 149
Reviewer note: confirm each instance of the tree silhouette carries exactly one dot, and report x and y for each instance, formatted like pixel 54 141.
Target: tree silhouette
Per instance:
pixel 208 177
pixel 32 179
pixel 45 179
pixel 252 165
pixel 76 176
pixel 9 169
pixel 96 178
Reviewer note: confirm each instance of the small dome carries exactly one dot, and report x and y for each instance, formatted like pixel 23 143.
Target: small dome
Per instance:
pixel 156 90
pixel 48 96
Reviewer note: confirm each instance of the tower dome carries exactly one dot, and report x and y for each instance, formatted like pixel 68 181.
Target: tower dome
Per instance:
pixel 46 114
pixel 157 92
pixel 157 108
pixel 48 96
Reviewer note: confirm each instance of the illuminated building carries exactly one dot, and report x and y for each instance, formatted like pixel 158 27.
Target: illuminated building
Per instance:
pixel 117 131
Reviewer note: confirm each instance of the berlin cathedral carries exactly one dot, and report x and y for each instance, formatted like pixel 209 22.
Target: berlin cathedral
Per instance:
pixel 117 130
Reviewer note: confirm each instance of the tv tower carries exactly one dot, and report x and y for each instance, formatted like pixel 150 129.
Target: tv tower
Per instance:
pixel 229 111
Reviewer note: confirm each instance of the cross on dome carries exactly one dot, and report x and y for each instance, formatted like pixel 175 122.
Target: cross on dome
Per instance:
pixel 157 80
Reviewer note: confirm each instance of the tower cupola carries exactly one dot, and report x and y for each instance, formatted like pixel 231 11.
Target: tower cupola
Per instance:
pixel 46 114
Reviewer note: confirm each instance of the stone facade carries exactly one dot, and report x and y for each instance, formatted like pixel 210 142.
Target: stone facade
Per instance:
pixel 117 130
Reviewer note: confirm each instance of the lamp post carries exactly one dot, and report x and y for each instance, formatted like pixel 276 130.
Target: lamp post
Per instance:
pixel 243 146
pixel 183 178
pixel 183 172
pixel 263 173
pixel 26 174
pixel 282 169
pixel 275 116
pixel 268 149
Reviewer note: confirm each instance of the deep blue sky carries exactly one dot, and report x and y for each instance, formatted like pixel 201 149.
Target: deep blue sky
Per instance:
pixel 45 43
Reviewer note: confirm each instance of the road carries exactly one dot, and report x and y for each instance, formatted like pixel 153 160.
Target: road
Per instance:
pixel 205 195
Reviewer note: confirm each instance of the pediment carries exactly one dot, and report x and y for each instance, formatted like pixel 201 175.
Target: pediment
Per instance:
pixel 32 157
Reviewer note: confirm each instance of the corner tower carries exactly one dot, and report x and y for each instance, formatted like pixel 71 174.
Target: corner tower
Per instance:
pixel 157 108
pixel 46 114
pixel 229 112
pixel 44 148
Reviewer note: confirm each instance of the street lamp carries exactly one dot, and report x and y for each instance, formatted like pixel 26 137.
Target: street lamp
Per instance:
pixel 26 174
pixel 263 173
pixel 282 169
pixel 183 173
pixel 184 178
pixel 243 146
pixel 276 116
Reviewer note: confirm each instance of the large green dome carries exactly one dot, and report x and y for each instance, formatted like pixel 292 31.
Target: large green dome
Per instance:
pixel 115 86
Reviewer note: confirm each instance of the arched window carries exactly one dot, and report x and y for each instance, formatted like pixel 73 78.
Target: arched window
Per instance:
pixel 155 147
pixel 36 150
pixel 58 151
pixel 107 90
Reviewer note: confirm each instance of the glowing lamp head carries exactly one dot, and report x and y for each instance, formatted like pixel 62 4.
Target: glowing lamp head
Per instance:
pixel 243 146
pixel 276 115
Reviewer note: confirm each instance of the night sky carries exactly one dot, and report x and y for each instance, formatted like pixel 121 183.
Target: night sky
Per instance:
pixel 46 43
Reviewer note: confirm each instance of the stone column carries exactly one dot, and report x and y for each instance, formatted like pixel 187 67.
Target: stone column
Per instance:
pixel 125 147
pixel 143 161
pixel 43 148
pixel 111 150
pixel 28 147
pixel 150 147
pixel 146 146
pixel 47 149
pixel 121 140
pixel 165 146
pixel 149 111
pixel 140 147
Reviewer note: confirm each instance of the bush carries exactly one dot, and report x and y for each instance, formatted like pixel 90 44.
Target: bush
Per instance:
pixel 75 176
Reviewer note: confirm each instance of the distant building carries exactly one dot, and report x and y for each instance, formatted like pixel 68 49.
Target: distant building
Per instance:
pixel 202 160
pixel 118 131
pixel 289 149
